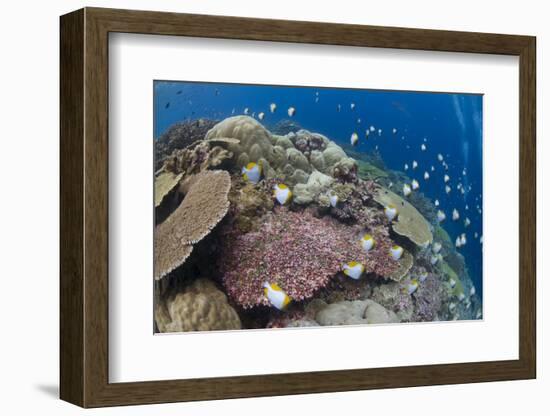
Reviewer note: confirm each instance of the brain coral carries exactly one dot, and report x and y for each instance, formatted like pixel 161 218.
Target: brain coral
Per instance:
pixel 410 223
pixel 203 207
pixel 200 307
pixel 299 252
pixel 255 140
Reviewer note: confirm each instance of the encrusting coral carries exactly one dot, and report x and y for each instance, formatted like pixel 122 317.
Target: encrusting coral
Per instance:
pixel 409 223
pixel 199 307
pixel 296 250
pixel 354 313
pixel 203 207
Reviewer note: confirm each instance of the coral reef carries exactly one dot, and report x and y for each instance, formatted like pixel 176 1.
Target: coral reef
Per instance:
pixel 200 307
pixel 298 251
pixel 338 196
pixel 203 207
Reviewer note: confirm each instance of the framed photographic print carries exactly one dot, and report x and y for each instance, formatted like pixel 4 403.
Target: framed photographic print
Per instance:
pixel 257 207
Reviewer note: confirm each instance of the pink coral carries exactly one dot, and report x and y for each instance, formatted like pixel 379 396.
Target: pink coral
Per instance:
pixel 299 252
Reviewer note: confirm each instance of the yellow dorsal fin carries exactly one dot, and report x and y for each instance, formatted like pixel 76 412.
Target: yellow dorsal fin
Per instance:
pixel 250 165
pixel 275 286
pixel 395 247
pixel 282 186
pixel 367 237
pixel 352 264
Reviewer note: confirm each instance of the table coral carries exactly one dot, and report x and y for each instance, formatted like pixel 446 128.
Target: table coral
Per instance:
pixel 203 207
pixel 299 252
pixel 410 223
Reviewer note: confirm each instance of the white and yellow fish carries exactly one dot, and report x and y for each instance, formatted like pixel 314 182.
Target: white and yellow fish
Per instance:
pixel 282 194
pixel 396 252
pixel 440 157
pixel 458 242
pixel 367 242
pixel 394 130
pixel 272 107
pixel 390 212
pixel 436 247
pixel 412 286
pixel 406 189
pixel 246 111
pixel 415 185
pixel 406 166
pixel 338 107
pixel 380 132
pixel 352 106
pixel 446 178
pixel 291 111
pixel 432 168
pixel 423 147
pixel 367 132
pixel 353 269
pixel 426 176
pixel 456 215
pixel 472 291
pixel 261 115
pixel 440 216
pixel 414 164
pixel 436 203
pixel 476 235
pixel 461 296
pixel 452 282
pixel 423 276
pixel 463 239
pixel 333 200
pixel 359 121
pixel 433 260
pixel 447 189
pixel 354 139
pixel 252 172
pixel 467 222
pixel 276 296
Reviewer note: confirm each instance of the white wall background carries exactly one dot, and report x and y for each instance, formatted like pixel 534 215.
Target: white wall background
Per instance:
pixel 29 210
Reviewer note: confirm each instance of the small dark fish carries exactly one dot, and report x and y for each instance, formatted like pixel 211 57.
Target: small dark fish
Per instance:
pixel 179 92
pixel 217 92
pixel 167 105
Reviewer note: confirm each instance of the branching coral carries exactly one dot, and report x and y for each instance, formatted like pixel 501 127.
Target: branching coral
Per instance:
pixel 296 250
pixel 179 136
pixel 203 207
pixel 200 307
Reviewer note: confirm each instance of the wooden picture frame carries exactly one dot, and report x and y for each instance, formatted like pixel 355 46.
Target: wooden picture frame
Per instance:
pixel 84 207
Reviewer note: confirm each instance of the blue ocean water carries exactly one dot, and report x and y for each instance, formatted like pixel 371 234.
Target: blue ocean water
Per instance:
pixel 447 124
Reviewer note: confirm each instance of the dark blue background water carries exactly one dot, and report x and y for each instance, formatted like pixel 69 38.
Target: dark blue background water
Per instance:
pixel 450 124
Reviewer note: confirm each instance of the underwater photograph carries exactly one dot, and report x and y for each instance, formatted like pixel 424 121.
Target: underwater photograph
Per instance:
pixel 291 206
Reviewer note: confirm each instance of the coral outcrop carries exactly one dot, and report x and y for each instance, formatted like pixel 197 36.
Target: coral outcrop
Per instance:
pixel 203 207
pixel 200 307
